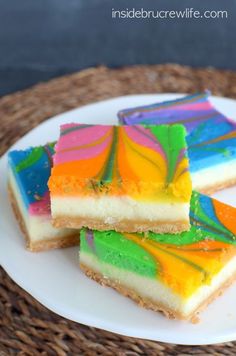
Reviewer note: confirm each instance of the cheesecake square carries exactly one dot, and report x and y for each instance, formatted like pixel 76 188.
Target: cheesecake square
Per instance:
pixel 178 275
pixel 211 137
pixel 28 173
pixel 124 178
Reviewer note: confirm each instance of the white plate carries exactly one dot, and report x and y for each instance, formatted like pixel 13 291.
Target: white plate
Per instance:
pixel 55 280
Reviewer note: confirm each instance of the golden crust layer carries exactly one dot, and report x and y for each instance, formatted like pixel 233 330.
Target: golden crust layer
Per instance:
pixel 149 304
pixel 217 187
pixel 121 226
pixel 47 244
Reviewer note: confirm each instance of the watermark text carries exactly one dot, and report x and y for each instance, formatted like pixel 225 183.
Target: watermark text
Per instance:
pixel 188 13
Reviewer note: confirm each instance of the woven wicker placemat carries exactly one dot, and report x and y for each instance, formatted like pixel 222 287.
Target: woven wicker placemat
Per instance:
pixel 26 327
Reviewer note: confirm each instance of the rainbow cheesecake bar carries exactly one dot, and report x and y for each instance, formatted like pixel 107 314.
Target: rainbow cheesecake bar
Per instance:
pixel 211 137
pixel 176 274
pixel 29 171
pixel 121 178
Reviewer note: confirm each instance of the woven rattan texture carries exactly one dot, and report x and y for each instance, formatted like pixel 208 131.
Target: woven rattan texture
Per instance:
pixel 26 327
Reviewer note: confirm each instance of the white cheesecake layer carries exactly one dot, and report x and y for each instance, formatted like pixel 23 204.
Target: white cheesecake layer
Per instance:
pixel 115 209
pixel 39 227
pixel 213 176
pixel 154 290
